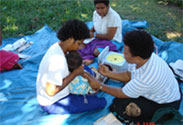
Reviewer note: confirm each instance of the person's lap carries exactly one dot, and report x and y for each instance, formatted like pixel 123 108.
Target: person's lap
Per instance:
pixel 76 104
pixel 117 44
pixel 138 110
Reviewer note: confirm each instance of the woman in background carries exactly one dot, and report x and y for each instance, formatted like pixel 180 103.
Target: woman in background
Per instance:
pixel 107 31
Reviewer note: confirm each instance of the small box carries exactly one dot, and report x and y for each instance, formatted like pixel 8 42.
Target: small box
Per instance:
pixel 113 59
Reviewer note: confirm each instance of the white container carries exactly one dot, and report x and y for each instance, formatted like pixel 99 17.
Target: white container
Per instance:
pixel 113 59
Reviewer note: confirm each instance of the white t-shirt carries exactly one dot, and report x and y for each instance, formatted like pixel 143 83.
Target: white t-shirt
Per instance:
pixel 53 69
pixel 154 81
pixel 112 19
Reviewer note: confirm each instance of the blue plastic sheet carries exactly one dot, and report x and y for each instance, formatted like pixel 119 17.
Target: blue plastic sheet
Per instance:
pixel 18 104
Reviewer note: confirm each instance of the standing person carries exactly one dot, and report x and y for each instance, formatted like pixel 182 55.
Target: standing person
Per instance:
pixel 53 75
pixel 107 29
pixel 150 83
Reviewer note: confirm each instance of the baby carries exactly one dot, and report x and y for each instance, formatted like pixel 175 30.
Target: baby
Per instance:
pixel 79 85
pixel 74 60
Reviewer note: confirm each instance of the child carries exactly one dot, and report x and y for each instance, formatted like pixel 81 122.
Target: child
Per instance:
pixel 79 85
pixel 74 60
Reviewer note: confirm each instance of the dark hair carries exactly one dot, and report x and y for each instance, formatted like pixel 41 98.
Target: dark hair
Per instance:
pixel 73 29
pixel 140 43
pixel 106 2
pixel 74 60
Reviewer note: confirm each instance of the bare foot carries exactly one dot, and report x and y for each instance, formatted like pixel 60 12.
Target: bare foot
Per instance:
pixel 96 52
pixel 17 66
pixel 88 61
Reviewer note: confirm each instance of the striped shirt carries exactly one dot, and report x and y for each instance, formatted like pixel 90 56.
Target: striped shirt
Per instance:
pixel 154 81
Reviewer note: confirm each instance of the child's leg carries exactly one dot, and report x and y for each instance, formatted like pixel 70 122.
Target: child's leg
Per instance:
pixel 90 61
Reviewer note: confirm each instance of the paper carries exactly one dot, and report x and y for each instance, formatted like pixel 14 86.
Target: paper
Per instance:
pixel 23 56
pixel 86 41
pixel 109 119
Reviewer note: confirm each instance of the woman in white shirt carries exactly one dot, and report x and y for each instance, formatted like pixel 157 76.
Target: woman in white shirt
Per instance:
pixel 107 22
pixel 107 25
pixel 53 78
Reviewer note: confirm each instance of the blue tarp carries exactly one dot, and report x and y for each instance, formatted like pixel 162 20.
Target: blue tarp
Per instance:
pixel 18 104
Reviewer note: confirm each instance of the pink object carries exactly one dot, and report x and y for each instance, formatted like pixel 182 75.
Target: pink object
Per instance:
pixel 7 60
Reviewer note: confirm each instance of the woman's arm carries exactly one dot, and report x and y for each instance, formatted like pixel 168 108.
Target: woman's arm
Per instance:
pixel 92 29
pixel 52 89
pixel 109 35
pixel 121 76
pixel 96 85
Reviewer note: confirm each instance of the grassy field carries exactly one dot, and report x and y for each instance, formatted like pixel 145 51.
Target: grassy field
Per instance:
pixel 23 17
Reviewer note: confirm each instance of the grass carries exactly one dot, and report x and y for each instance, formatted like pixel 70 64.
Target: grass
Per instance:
pixel 23 17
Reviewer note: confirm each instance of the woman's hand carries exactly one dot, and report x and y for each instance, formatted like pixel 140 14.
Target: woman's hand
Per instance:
pixel 92 30
pixel 95 84
pixel 91 34
pixel 104 70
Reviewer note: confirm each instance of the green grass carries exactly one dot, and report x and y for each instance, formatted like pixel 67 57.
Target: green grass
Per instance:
pixel 23 17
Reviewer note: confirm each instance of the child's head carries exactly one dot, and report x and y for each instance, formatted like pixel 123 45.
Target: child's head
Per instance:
pixel 74 60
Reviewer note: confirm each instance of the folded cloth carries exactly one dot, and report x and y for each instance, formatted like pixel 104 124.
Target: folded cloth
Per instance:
pixel 178 68
pixel 17 44
pixel 7 60
pixel 88 51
